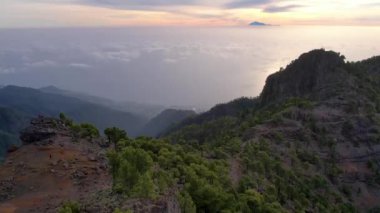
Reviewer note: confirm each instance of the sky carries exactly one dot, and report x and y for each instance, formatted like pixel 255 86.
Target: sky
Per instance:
pixel 94 13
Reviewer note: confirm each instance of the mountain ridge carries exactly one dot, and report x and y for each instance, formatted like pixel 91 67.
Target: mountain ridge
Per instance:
pixel 35 102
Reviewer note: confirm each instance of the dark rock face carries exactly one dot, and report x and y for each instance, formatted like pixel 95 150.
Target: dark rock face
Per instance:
pixel 6 188
pixel 41 128
pixel 34 135
pixel 310 75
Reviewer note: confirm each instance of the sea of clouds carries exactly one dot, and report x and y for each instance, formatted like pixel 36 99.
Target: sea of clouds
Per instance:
pixel 172 66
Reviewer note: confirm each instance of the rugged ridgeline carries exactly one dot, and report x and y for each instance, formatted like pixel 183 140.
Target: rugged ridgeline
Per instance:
pixel 311 139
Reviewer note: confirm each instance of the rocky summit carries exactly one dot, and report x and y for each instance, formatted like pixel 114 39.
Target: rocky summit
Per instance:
pixel 42 129
pixel 313 75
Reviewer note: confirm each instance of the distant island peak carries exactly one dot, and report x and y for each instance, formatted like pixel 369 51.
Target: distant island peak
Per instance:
pixel 258 24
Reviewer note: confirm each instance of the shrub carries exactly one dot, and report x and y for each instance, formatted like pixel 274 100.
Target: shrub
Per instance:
pixel 70 207
pixel 120 211
pixel 115 134
pixel 186 203
pixel 88 130
pixel 68 122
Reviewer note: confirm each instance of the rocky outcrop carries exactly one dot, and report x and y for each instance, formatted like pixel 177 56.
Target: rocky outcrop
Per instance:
pixel 311 75
pixel 42 128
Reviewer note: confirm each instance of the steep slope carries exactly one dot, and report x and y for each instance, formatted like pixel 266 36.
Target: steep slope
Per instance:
pixel 166 119
pixel 311 142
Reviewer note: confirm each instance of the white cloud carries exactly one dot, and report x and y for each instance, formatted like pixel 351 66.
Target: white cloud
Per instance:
pixel 80 65
pixel 119 55
pixel 170 60
pixel 7 70
pixel 43 63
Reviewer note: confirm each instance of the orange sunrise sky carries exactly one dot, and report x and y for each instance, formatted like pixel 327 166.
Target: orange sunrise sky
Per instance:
pixel 74 13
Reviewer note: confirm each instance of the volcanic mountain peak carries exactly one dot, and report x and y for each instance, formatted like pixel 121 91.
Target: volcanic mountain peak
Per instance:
pixel 305 77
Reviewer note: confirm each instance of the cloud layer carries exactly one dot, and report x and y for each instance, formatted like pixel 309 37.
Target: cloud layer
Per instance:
pixel 279 9
pixel 247 3
pixel 167 66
